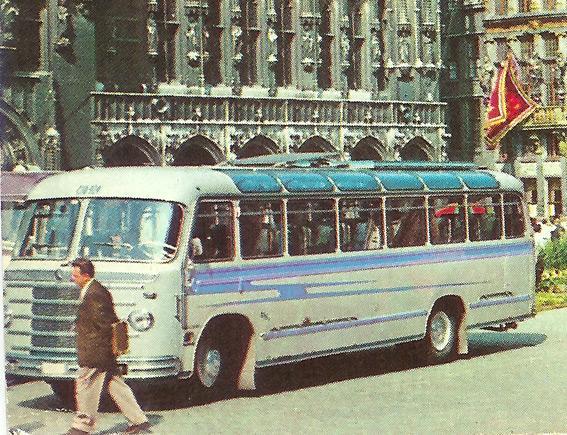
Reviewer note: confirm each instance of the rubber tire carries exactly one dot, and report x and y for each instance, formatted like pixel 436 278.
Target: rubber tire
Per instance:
pixel 228 350
pixel 65 392
pixel 445 349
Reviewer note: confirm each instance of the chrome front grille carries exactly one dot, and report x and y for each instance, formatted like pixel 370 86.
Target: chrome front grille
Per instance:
pixel 53 309
pixel 65 294
pixel 44 314
pixel 52 325
pixel 67 342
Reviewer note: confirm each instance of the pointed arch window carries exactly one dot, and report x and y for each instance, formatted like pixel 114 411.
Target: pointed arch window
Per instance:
pixel 250 36
pixel 356 35
pixel 324 73
pixel 27 35
pixel 284 30
pixel 212 69
pixel 167 26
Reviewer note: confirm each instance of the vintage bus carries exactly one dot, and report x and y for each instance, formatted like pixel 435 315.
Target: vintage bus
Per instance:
pixel 223 270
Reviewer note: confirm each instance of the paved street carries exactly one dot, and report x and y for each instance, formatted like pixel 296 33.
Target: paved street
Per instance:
pixel 512 382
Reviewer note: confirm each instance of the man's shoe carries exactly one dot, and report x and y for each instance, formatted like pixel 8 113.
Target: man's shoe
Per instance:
pixel 138 428
pixel 75 431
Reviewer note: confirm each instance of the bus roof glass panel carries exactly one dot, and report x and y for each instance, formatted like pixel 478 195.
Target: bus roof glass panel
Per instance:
pixel 298 181
pixel 254 182
pixel 408 165
pixel 440 180
pixel 478 180
pixel 399 181
pixel 353 181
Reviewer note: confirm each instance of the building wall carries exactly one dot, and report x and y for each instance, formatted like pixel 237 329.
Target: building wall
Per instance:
pixel 197 82
pixel 534 30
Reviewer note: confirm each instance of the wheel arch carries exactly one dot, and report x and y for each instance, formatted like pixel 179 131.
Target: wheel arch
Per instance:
pixel 232 321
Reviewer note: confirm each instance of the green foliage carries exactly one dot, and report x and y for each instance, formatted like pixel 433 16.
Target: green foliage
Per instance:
pixel 553 281
pixel 548 301
pixel 555 254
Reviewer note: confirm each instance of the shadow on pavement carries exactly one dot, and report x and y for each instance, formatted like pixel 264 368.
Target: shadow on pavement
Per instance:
pixel 484 343
pixel 320 371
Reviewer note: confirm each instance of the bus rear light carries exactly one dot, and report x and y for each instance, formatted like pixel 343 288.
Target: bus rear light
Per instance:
pixel 141 320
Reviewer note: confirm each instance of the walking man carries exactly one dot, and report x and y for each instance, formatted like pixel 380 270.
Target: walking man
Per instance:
pixel 97 363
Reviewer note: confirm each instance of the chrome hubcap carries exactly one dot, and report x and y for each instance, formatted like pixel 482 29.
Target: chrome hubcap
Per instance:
pixel 210 367
pixel 440 330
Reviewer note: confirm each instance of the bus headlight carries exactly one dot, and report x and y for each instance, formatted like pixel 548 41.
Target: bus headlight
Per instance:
pixel 141 320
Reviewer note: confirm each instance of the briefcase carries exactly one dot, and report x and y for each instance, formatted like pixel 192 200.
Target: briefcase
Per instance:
pixel 120 338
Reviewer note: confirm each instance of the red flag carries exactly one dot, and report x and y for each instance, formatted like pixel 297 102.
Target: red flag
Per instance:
pixel 508 104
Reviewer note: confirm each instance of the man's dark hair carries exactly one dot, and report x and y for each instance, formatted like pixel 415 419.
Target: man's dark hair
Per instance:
pixel 85 266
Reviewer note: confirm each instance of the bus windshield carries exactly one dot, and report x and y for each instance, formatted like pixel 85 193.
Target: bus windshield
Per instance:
pixel 50 230
pixel 138 230
pixel 12 213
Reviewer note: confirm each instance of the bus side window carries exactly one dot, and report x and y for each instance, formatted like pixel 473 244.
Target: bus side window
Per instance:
pixel 360 224
pixel 261 229
pixel 446 219
pixel 405 220
pixel 214 232
pixel 311 227
pixel 514 223
pixel 484 217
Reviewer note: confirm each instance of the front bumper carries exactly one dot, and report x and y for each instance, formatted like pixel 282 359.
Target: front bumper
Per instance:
pixel 38 367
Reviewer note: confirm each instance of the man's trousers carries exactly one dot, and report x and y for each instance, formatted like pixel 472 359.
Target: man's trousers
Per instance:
pixel 88 389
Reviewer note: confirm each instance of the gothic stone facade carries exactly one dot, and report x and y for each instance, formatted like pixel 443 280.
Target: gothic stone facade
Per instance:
pixel 188 82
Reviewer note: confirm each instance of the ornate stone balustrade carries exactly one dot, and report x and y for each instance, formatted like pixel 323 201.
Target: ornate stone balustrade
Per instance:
pixel 112 108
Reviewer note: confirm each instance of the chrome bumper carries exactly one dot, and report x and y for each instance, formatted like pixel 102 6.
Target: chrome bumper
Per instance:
pixel 38 367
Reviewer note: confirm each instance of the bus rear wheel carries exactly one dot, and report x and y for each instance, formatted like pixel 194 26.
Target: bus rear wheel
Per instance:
pixel 440 342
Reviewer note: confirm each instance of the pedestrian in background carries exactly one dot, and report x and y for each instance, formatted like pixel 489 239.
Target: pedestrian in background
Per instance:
pixel 558 231
pixel 97 363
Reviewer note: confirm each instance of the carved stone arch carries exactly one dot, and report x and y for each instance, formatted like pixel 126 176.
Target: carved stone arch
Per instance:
pixel 131 151
pixel 316 144
pixel 196 151
pixel 258 146
pixel 368 148
pixel 416 148
pixel 18 143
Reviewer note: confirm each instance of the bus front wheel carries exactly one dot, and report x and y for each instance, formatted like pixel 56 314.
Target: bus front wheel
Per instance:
pixel 65 392
pixel 216 366
pixel 440 342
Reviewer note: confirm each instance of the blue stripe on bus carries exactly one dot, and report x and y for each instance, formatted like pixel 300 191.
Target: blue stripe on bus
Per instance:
pixel 500 301
pixel 304 330
pixel 301 291
pixel 224 279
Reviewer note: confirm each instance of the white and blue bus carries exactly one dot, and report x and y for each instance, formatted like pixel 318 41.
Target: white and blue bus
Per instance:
pixel 222 270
